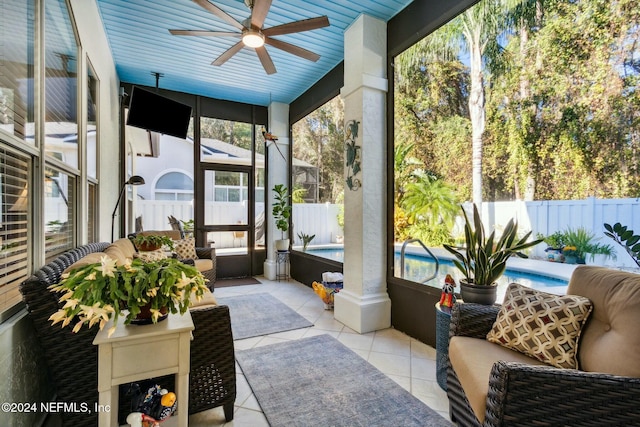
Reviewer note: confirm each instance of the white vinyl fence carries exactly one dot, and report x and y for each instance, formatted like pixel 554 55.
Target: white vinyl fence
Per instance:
pixel 544 217
pixel 548 216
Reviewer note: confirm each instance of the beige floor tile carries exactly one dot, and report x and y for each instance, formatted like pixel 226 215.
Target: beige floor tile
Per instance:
pixel 391 364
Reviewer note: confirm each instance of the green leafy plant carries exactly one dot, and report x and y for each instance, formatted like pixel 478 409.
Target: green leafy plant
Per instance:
pixel 585 242
pixel 281 208
pixel 306 239
pixel 150 242
pixel 484 259
pixel 625 238
pixel 95 293
pixel 555 240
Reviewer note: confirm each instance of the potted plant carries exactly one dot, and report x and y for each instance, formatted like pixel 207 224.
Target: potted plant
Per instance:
pixel 152 242
pixel 95 293
pixel 281 213
pixel 555 243
pixel 584 242
pixel 484 259
pixel 306 239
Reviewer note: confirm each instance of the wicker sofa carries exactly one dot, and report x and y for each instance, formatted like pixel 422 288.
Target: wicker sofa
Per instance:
pixel 490 385
pixel 73 359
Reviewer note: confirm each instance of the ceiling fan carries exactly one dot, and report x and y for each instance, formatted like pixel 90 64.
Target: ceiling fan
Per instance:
pixel 253 35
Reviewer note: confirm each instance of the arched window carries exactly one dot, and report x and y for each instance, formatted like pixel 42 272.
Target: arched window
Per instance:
pixel 174 186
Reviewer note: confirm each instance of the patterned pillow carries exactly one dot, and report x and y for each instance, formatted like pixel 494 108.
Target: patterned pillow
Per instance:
pixel 150 256
pixel 185 248
pixel 541 325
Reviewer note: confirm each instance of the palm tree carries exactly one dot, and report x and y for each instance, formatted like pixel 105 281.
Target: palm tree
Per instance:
pixel 430 200
pixel 474 32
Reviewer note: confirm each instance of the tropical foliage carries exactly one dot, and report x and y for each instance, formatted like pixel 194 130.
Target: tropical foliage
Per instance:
pixel 561 107
pixel 625 238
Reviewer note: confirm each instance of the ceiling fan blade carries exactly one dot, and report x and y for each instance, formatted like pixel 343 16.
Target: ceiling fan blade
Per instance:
pixel 259 13
pixel 206 4
pixel 297 26
pixel 295 50
pixel 228 54
pixel 204 33
pixel 265 58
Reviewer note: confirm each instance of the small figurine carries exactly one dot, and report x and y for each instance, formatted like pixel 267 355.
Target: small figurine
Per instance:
pixel 268 135
pixel 447 298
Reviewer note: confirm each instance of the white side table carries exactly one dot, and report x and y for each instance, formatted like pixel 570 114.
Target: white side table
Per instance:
pixel 138 352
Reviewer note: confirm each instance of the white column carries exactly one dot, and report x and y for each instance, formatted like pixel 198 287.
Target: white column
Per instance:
pixel 277 153
pixel 363 304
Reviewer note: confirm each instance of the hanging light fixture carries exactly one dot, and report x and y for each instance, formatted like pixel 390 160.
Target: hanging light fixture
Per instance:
pixel 253 38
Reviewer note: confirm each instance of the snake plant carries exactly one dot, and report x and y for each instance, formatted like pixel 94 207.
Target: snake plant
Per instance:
pixel 484 259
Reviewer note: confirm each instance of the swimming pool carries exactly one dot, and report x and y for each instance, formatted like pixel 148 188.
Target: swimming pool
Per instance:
pixel 417 268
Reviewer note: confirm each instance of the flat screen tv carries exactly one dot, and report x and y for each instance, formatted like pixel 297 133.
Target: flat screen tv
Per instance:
pixel 154 112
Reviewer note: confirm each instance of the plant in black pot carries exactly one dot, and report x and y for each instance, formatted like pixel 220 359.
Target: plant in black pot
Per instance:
pixel 484 259
pixel 281 213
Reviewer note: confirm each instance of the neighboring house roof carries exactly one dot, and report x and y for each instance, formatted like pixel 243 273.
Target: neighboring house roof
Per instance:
pixel 219 148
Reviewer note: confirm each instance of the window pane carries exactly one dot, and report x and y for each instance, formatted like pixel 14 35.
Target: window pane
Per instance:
pixel 175 181
pixel 16 65
pixel 61 49
pixel 220 195
pixel 92 222
pixel 14 226
pixel 318 173
pixel 59 208
pixel 225 141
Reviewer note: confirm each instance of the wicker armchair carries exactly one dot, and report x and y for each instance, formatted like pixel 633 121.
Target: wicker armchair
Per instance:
pixel 525 394
pixel 72 358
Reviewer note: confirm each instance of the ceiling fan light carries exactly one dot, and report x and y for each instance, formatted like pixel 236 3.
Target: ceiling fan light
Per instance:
pixel 253 39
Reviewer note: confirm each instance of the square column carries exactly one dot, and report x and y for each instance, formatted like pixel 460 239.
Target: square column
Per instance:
pixel 279 173
pixel 363 304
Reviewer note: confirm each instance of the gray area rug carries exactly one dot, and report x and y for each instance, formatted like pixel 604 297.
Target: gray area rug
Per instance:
pixel 317 381
pixel 261 314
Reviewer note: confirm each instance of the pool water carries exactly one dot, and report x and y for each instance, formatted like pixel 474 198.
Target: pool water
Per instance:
pixel 417 268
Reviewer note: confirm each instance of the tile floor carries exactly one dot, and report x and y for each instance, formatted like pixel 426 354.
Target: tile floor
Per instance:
pixel 405 360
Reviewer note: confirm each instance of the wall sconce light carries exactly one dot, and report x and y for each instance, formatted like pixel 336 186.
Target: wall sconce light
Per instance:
pixel 134 180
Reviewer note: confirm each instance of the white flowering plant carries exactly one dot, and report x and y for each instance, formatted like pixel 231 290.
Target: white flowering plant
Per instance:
pixel 95 293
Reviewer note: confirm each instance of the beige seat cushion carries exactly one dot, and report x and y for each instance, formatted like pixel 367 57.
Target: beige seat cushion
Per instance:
pixel 121 250
pixel 472 359
pixel 115 253
pixel 208 300
pixel 203 264
pixel 91 258
pixel 610 341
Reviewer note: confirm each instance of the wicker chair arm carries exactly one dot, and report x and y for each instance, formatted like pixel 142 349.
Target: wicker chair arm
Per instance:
pixel 472 320
pixel 212 381
pixel 206 253
pixel 523 395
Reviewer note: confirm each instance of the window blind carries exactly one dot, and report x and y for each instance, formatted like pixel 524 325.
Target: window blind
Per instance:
pixel 14 232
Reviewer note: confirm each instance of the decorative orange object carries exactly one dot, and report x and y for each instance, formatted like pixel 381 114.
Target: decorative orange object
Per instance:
pixel 168 399
pixel 447 298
